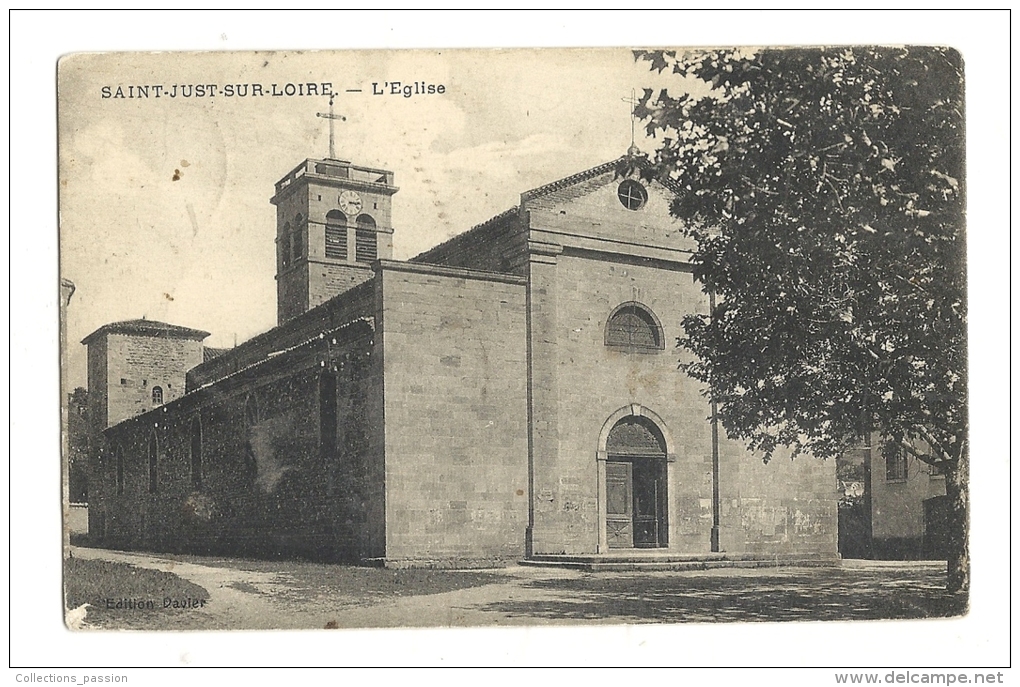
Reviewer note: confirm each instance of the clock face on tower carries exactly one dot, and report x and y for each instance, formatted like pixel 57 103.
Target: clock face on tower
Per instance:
pixel 350 203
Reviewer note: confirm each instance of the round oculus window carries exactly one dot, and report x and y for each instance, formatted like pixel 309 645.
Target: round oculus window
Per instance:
pixel 632 194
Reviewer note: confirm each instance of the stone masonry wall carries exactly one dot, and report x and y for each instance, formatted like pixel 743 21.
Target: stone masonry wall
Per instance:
pixel 897 506
pixel 326 280
pixel 456 413
pixel 588 255
pixel 594 381
pixel 135 364
pixel 783 507
pixel 266 486
pixel 591 209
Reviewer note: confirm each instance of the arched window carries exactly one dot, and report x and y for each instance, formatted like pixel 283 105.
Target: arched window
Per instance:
pixel 633 327
pixel 153 452
pixel 365 239
pixel 636 436
pixel 120 470
pixel 157 395
pixel 196 453
pixel 297 238
pixel 336 235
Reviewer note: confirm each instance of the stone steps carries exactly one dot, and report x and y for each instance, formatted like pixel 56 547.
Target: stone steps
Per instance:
pixel 658 560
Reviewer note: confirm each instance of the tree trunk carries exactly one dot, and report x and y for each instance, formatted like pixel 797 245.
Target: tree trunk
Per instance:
pixel 957 491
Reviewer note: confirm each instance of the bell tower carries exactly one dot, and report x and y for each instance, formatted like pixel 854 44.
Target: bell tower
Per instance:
pixel 333 220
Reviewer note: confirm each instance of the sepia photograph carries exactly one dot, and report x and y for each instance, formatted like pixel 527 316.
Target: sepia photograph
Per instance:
pixel 647 347
pixel 622 336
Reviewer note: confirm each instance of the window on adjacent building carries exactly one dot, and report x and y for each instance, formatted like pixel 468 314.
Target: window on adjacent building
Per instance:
pixel 896 466
pixel 632 326
pixel 157 395
pixel 153 451
pixel 365 239
pixel 336 235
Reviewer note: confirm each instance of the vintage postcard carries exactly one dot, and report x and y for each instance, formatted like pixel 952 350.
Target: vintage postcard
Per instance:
pixel 512 337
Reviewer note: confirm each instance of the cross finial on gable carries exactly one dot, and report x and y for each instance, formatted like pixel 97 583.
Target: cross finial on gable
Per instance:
pixel 633 102
pixel 332 118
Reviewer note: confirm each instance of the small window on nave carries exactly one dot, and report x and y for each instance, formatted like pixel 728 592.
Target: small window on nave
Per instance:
pixel 196 453
pixel 633 327
pixel 284 245
pixel 252 417
pixel 153 452
pixel 157 395
pixel 120 469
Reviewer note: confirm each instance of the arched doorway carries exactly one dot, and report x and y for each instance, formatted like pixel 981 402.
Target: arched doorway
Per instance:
pixel 635 511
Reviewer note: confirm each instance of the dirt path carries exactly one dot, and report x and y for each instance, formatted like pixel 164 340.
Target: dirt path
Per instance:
pixel 290 595
pixel 228 607
pixel 245 599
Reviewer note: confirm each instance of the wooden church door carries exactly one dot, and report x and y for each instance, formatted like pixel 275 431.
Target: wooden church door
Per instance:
pixel 636 486
pixel 619 505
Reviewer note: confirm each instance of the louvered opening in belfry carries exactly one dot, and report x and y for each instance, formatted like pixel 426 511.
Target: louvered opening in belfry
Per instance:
pixel 365 241
pixel 336 235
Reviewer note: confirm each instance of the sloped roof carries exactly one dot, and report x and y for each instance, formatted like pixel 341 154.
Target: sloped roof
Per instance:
pixel 208 353
pixel 145 327
pixel 613 165
pixel 478 228
pixel 620 163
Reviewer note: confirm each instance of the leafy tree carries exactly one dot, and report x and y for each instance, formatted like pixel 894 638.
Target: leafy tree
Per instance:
pixel 78 445
pixel 824 189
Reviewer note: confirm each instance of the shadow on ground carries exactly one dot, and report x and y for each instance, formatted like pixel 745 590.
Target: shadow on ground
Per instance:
pixel 801 594
pixel 303 581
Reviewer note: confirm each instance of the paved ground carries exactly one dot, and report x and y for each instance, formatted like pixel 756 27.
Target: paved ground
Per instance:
pixel 246 594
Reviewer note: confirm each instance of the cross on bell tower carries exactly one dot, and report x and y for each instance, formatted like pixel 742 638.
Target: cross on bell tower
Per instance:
pixel 332 118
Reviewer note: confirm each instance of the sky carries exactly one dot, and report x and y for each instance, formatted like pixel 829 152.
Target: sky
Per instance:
pixel 154 249
pixel 164 202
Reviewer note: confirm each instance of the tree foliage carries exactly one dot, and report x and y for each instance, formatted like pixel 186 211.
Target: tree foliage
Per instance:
pixel 825 191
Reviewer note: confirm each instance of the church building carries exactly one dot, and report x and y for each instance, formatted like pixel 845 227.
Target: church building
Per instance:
pixel 510 394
